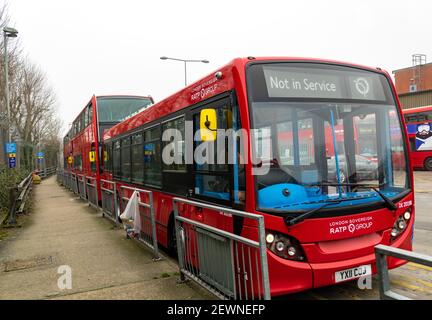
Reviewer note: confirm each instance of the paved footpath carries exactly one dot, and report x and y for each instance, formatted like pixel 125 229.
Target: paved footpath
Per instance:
pixel 63 230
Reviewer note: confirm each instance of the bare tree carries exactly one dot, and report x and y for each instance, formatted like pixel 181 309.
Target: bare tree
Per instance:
pixel 33 116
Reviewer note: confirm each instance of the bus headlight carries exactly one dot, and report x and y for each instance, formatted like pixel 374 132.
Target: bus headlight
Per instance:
pixel 270 238
pixel 284 246
pixel 400 224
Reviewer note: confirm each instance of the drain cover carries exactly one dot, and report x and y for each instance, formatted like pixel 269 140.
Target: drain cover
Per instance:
pixel 28 263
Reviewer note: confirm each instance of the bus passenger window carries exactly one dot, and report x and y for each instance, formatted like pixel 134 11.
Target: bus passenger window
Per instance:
pixel 126 158
pixel 116 160
pixel 178 146
pixel 152 157
pixel 412 144
pixel 137 161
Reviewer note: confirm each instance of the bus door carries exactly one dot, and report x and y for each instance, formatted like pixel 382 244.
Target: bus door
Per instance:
pixel 218 171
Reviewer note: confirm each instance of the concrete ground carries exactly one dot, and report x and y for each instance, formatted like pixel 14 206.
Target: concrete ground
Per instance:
pixel 63 231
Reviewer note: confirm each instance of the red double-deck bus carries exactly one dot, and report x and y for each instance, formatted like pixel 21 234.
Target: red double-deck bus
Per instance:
pixel 321 228
pixel 81 144
pixel 419 127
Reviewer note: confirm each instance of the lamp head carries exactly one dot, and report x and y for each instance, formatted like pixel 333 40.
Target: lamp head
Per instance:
pixel 10 32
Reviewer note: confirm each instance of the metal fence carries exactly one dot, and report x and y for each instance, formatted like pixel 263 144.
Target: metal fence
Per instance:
pixel 18 196
pixel 81 180
pixel 381 253
pixel 109 200
pixel 74 183
pixel 92 194
pixel 228 265
pixel 59 176
pixel 147 233
pixel 47 172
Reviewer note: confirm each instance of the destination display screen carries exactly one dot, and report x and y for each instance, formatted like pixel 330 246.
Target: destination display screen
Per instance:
pixel 286 81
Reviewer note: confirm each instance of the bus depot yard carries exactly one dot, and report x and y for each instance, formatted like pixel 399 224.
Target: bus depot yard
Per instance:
pixel 64 231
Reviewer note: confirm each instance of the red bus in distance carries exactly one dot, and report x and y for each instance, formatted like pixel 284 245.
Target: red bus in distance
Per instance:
pixel 419 122
pixel 322 118
pixel 81 145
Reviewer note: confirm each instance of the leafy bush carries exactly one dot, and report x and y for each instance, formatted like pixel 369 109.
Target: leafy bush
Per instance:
pixel 9 178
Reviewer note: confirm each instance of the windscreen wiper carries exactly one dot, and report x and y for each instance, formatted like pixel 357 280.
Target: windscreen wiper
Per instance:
pixel 292 221
pixel 387 201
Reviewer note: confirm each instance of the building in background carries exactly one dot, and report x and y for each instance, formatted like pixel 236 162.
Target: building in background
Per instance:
pixel 414 84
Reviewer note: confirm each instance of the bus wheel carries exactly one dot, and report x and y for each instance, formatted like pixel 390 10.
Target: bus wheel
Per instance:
pixel 428 164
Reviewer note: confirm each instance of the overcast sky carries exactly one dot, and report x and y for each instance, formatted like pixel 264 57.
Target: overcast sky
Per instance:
pixel 91 47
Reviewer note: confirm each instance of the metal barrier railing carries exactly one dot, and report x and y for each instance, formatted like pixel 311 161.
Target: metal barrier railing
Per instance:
pixel 148 233
pixel 109 200
pixel 46 172
pixel 381 253
pixel 68 180
pixel 228 265
pixel 81 180
pixel 92 194
pixel 74 183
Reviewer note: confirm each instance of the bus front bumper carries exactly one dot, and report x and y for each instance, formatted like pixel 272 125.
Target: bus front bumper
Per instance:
pixel 289 277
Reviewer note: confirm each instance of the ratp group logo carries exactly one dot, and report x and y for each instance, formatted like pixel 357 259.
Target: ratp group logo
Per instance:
pixel 362 86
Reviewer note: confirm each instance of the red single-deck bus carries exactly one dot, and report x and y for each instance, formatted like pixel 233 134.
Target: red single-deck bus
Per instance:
pixel 81 144
pixel 419 123
pixel 319 230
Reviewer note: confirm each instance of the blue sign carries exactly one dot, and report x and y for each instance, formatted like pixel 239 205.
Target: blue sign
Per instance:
pixel 40 154
pixel 12 163
pixel 11 148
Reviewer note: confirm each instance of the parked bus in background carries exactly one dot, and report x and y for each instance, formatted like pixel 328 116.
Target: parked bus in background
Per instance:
pixel 321 228
pixel 81 144
pixel 419 127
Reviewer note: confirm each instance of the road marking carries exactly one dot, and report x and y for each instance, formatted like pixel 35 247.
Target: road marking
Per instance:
pixel 416 266
pixel 407 285
pixel 408 282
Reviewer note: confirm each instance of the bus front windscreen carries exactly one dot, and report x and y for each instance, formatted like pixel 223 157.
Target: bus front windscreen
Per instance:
pixel 117 109
pixel 324 135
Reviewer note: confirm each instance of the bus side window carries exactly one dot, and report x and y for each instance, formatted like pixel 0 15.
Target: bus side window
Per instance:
pixel 126 158
pixel 152 157
pixel 90 113
pixel 116 160
pixel 412 143
pixel 137 161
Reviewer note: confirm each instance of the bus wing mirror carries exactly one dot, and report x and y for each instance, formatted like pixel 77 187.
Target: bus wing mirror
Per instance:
pixel 208 125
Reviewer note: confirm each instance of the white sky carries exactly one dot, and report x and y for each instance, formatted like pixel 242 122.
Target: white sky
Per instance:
pixel 91 47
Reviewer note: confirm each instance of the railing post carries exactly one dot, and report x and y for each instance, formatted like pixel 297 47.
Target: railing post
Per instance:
pixel 179 241
pixel 382 271
pixel 12 200
pixel 263 254
pixel 153 223
pixel 116 204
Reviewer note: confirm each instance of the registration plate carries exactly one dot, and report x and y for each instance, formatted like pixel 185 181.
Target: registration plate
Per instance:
pixel 353 273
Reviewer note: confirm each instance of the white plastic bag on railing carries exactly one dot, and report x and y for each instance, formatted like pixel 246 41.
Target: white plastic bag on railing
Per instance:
pixel 131 215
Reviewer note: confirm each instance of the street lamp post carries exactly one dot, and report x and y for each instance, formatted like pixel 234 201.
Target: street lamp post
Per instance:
pixel 185 62
pixel 8 33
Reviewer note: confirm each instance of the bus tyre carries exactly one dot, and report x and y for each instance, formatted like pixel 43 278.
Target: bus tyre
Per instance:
pixel 428 164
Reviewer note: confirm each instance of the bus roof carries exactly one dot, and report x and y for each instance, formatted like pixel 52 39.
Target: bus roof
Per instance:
pixel 417 110
pixel 210 86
